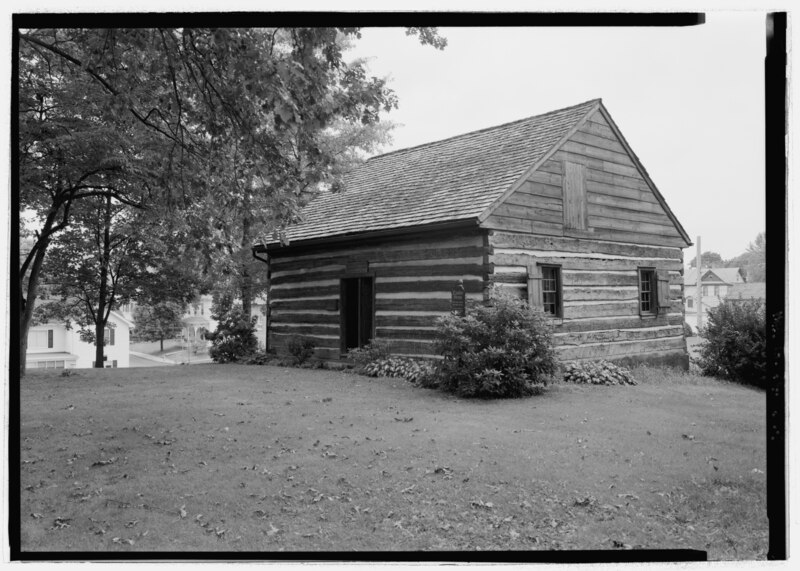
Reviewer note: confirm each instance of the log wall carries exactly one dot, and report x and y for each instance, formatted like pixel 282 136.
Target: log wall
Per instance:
pixel 600 288
pixel 413 276
pixel 619 203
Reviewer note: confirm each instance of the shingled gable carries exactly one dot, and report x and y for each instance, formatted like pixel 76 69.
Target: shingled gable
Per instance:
pixel 460 179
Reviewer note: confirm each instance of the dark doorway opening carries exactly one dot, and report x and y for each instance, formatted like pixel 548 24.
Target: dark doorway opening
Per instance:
pixel 357 311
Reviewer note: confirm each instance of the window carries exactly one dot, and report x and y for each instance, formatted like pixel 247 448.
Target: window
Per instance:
pixel 716 290
pixel 108 337
pixel 544 289
pixel 40 339
pixel 705 290
pixel 690 302
pixel 49 338
pixel 647 292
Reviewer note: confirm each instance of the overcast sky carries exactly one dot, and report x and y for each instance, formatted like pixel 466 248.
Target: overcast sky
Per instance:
pixel 688 100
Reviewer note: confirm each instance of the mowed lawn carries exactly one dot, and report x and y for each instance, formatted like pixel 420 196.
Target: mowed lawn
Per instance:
pixel 251 458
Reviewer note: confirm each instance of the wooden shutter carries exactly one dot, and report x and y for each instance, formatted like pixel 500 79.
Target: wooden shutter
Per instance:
pixel 535 286
pixel 110 335
pixel 49 338
pixel 574 197
pixel 664 300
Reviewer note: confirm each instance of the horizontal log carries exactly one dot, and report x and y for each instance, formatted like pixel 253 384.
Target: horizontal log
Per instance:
pixel 410 304
pixel 342 257
pixel 308 276
pixel 451 239
pixel 599 278
pixel 673 358
pixel 509 278
pixel 601 310
pixel 619 349
pixel 279 340
pixel 297 292
pixel 574 263
pixel 415 334
pixel 318 317
pixel 552 206
pixel 621 323
pixel 599 294
pixel 294 329
pixel 500 239
pixel 616 335
pixel 305 304
pixel 441 269
pixel 406 320
pixel 470 286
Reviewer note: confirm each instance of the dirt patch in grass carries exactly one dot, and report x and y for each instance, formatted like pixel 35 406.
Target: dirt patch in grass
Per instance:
pixel 214 457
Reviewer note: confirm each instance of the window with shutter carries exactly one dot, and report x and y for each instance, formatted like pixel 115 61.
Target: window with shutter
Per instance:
pixel 648 292
pixel 544 289
pixel 111 336
pixel 49 338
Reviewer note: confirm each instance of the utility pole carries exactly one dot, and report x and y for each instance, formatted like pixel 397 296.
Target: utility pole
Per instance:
pixel 699 285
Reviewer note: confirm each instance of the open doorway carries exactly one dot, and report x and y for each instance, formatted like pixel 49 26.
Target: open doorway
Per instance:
pixel 358 310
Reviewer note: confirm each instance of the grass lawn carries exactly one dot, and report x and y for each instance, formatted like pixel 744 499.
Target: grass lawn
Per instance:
pixel 234 457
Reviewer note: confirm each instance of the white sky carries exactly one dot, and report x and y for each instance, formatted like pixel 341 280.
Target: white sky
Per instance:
pixel 688 100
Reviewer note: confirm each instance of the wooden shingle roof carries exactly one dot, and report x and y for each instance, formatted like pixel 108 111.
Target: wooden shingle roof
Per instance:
pixel 451 180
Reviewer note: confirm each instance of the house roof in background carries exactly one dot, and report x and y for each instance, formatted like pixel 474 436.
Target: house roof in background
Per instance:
pixel 444 181
pixel 725 275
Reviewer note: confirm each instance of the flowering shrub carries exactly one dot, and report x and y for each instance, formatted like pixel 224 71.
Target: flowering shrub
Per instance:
pixel 500 350
pixel 735 345
pixel 597 373
pixel 410 369
pixel 301 348
pixel 375 350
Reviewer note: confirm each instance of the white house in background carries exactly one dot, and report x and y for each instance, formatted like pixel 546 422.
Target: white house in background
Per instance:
pixel 53 346
pixel 716 285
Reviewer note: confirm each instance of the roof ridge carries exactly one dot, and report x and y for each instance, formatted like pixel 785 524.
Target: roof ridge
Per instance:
pixel 491 128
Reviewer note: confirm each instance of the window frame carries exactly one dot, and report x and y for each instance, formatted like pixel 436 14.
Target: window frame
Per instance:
pixel 537 291
pixel 652 310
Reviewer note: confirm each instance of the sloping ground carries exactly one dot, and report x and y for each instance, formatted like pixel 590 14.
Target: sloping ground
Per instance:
pixel 214 457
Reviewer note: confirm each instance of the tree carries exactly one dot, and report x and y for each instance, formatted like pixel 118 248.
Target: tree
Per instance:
pixel 159 321
pixel 753 261
pixel 710 260
pixel 170 117
pixel 106 258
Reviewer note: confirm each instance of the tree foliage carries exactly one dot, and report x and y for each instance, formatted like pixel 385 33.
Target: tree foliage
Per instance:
pixel 735 346
pixel 710 260
pixel 754 260
pixel 200 122
pixel 159 321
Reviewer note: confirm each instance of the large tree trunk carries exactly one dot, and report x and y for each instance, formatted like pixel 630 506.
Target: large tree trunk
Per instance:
pixel 28 301
pixel 101 316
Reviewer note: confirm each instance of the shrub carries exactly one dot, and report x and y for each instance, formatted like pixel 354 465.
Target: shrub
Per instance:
pixel 499 350
pixel 687 330
pixel 375 350
pixel 597 373
pixel 234 338
pixel 301 348
pixel 735 346
pixel 258 358
pixel 412 370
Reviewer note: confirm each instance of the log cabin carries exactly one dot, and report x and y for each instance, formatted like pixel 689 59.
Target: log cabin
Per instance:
pixel 556 208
